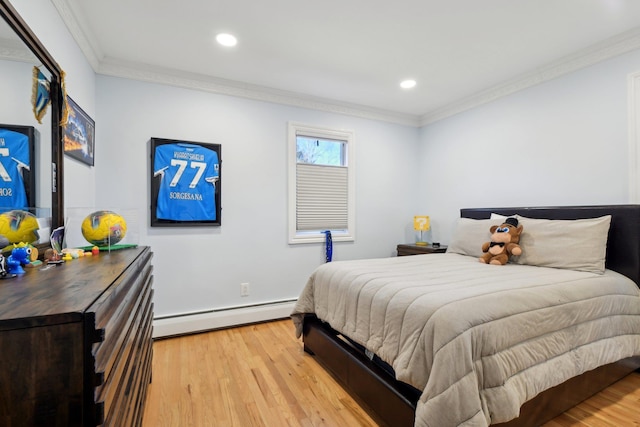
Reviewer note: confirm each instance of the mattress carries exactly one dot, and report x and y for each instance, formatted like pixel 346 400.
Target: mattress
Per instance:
pixel 478 340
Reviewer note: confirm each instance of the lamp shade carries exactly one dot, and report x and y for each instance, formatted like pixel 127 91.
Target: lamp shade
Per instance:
pixel 421 223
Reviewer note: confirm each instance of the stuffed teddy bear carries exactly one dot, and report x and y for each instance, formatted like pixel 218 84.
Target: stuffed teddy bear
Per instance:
pixel 503 244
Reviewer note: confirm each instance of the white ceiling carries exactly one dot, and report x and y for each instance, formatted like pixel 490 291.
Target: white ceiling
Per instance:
pixel 350 55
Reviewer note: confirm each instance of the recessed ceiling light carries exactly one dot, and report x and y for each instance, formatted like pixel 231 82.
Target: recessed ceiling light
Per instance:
pixel 226 39
pixel 407 84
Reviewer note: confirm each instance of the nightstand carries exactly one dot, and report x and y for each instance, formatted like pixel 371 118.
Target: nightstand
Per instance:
pixel 411 249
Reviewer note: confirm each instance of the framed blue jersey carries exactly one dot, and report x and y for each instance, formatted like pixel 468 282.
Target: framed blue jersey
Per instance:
pixel 17 181
pixel 185 183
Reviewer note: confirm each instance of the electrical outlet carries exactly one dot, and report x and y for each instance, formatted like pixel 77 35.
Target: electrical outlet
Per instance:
pixel 244 289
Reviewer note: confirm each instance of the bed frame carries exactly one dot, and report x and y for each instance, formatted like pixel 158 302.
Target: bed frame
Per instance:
pixel 391 402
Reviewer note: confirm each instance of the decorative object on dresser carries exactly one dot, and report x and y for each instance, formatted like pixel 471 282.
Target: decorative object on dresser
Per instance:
pixel 411 249
pixel 76 342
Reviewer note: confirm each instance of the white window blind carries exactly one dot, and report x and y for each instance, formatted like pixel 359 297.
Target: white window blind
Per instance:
pixel 321 197
pixel 321 184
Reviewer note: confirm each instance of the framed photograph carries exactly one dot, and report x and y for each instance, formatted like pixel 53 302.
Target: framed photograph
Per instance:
pixel 79 134
pixel 17 168
pixel 185 183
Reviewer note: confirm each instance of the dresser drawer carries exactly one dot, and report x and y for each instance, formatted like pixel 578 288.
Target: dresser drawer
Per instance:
pixel 122 363
pixel 413 249
pixel 114 329
pixel 39 382
pixel 117 321
pixel 113 303
pixel 120 393
pixel 130 409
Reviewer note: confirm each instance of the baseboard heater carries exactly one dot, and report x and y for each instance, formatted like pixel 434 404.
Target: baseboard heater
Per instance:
pixel 201 321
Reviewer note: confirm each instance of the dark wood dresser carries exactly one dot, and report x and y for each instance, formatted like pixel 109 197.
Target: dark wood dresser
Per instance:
pixel 75 342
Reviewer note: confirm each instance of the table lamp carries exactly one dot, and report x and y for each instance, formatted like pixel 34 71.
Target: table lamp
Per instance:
pixel 421 223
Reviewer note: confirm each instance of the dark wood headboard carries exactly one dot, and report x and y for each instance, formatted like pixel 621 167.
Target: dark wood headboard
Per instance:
pixel 623 246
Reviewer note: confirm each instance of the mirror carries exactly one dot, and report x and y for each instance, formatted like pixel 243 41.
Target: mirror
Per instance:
pixel 20 50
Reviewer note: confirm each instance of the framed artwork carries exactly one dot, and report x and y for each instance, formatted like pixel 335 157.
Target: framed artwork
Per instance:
pixel 185 183
pixel 79 135
pixel 17 168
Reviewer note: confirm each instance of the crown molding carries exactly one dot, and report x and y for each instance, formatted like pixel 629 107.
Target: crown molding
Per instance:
pixel 82 35
pixel 219 86
pixel 16 50
pixel 612 47
pixel 618 45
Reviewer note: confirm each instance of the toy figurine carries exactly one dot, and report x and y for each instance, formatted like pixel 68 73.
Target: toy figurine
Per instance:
pixel 503 244
pixel 3 269
pixel 71 253
pixel 51 255
pixel 18 257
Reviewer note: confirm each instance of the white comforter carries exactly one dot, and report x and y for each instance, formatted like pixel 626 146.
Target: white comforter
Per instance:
pixel 479 340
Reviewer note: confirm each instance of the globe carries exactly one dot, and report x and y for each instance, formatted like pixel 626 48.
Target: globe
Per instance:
pixel 104 228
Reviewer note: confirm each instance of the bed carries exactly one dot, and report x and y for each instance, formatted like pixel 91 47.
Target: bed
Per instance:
pixel 459 370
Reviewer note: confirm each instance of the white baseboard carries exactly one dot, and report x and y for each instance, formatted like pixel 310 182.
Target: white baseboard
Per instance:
pixel 216 319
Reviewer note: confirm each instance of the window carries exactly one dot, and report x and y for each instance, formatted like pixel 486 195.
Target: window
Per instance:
pixel 321 184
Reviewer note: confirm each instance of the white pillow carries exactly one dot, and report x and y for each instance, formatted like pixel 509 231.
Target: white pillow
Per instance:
pixel 469 236
pixel 579 244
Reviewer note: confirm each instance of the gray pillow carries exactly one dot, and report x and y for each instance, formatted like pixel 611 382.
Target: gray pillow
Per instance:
pixel 470 234
pixel 579 244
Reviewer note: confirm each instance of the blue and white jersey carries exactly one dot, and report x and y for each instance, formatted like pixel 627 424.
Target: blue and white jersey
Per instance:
pixel 188 181
pixel 14 157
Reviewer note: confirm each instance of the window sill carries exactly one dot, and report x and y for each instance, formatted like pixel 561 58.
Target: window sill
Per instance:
pixel 302 238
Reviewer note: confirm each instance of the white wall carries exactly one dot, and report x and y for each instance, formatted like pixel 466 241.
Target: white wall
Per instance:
pixel 202 268
pixel 44 20
pixel 564 142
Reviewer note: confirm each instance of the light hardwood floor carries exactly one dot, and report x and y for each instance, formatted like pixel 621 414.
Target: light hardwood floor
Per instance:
pixel 259 375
